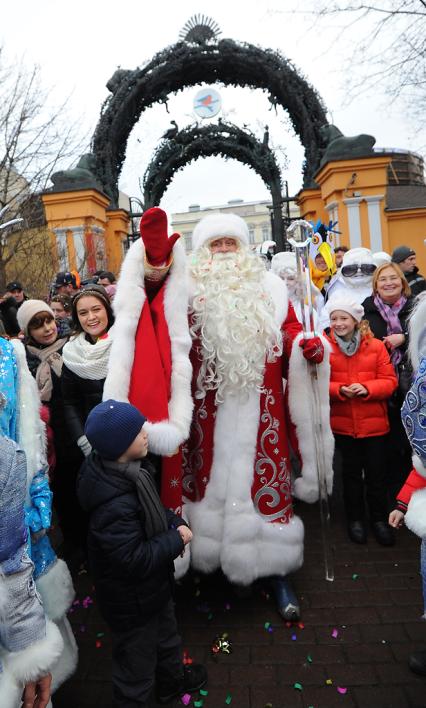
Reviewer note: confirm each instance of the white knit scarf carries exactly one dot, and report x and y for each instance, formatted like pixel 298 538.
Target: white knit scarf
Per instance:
pixel 89 361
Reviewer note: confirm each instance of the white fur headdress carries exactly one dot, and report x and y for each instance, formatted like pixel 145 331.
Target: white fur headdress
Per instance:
pixel 216 226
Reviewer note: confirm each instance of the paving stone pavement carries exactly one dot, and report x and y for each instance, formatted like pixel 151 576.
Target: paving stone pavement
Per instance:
pixel 356 632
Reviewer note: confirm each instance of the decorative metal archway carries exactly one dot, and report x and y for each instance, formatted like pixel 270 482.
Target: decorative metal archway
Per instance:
pixel 223 139
pixel 201 58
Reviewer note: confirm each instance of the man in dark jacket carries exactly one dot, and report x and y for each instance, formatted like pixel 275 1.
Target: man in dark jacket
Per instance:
pixel 405 257
pixel 132 543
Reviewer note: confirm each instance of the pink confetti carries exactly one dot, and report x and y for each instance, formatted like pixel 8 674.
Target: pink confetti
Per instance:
pixel 227 606
pixel 335 633
pixel 186 699
pixel 342 690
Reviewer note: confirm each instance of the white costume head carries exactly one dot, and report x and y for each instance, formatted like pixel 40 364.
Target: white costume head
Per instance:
pixel 232 311
pixel 351 272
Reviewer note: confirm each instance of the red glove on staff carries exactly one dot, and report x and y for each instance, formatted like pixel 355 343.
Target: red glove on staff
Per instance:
pixel 153 228
pixel 313 349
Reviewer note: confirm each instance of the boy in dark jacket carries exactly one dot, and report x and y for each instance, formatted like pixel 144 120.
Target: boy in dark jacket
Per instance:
pixel 132 543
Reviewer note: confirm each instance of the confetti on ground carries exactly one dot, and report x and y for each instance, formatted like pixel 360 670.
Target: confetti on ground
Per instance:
pixel 228 699
pixel 203 692
pixel 83 628
pixel 186 699
pixel 309 658
pixel 301 625
pixel 298 687
pixel 294 637
pixel 268 626
pixel 98 644
pixel 197 593
pixel 199 703
pixel 100 634
pixel 210 616
pixel 355 576
pixel 221 644
pixel 227 606
pixel 329 682
pixel 87 601
pixel 186 658
pixel 268 705
pixel 335 633
pixel 342 690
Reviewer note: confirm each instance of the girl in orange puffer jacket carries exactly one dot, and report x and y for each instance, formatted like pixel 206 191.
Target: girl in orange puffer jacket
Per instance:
pixel 362 379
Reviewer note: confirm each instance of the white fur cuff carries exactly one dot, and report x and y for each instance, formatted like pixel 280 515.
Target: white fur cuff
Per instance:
pixel 37 659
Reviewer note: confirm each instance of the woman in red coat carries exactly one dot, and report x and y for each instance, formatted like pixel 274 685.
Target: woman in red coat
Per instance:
pixel 362 379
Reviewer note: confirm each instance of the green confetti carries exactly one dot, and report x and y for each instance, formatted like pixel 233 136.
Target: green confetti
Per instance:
pixel 100 634
pixel 355 576
pixel 210 616
pixel 267 625
pixel 309 658
pixel 203 692
pixel 298 687
pixel 228 699
pixel 199 704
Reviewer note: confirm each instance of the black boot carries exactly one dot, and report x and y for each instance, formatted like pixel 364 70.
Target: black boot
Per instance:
pixel 383 533
pixel 194 677
pixel 287 603
pixel 417 662
pixel 357 532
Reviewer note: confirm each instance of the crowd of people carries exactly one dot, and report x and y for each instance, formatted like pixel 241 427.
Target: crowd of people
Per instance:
pixel 167 418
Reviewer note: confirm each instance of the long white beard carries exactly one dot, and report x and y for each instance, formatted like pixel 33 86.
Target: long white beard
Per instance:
pixel 233 317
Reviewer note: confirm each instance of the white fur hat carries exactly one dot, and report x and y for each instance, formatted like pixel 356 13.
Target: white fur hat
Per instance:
pixel 285 260
pixel 381 257
pixel 216 226
pixel 29 309
pixel 344 302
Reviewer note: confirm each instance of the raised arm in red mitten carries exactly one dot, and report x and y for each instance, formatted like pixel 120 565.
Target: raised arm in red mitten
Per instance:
pixel 153 228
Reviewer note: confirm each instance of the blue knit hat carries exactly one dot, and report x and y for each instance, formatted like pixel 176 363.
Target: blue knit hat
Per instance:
pixel 112 426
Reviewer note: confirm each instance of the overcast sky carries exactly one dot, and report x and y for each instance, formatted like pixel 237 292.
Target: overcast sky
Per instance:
pixel 79 45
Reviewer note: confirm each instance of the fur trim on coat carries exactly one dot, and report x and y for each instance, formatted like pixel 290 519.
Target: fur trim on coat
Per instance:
pixel 165 436
pixel 56 590
pixel 28 665
pixel 415 517
pixel 302 404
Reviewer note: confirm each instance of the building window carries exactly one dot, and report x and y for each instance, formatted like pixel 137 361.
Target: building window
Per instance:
pixel 266 232
pixel 251 233
pixel 188 241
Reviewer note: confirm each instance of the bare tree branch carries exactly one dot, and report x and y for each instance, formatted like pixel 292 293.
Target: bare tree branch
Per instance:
pixel 36 138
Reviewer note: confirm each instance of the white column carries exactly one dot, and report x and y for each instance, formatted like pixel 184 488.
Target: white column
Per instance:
pixel 374 223
pixel 333 214
pixel 61 246
pixel 352 205
pixel 80 249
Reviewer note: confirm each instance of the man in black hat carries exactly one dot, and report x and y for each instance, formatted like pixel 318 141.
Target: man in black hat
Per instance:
pixel 65 283
pixel 16 290
pixel 10 302
pixel 405 257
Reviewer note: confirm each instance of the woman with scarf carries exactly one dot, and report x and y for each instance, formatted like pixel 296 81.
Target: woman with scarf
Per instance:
pixel 86 359
pixel 361 381
pixel 44 357
pixel 387 312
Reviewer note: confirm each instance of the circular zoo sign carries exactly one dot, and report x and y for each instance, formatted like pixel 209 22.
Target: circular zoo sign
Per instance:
pixel 207 103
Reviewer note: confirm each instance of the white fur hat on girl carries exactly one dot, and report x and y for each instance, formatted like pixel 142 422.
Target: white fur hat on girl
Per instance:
pixel 284 261
pixel 346 304
pixel 216 226
pixel 29 309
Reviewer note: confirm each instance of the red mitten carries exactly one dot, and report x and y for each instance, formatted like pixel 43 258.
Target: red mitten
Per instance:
pixel 153 228
pixel 313 349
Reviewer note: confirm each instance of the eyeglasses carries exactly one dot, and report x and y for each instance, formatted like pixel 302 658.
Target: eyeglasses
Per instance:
pixel 38 322
pixel 365 268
